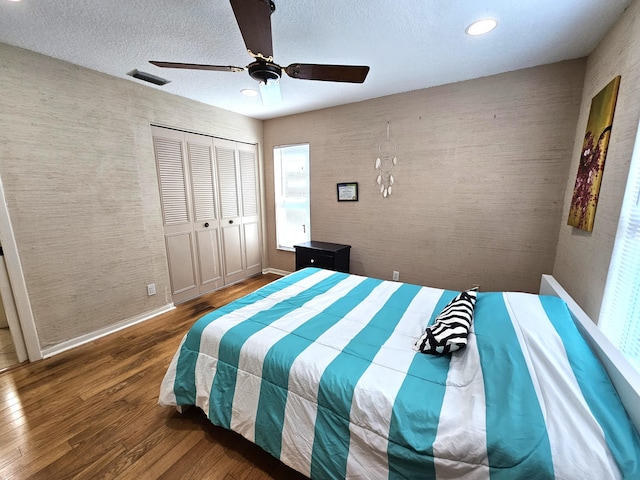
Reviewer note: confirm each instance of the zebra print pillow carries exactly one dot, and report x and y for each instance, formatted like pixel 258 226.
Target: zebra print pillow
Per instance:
pixel 451 327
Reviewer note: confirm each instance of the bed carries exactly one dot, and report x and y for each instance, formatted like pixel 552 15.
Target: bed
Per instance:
pixel 318 368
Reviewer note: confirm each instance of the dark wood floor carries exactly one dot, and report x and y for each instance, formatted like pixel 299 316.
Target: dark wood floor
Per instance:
pixel 91 412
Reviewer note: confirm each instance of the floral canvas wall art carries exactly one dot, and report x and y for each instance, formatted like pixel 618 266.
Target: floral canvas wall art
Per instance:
pixel 594 152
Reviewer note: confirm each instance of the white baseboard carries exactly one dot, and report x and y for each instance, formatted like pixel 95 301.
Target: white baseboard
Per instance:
pixel 276 271
pixel 89 337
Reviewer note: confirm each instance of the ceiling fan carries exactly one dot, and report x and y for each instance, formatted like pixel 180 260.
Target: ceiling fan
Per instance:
pixel 254 21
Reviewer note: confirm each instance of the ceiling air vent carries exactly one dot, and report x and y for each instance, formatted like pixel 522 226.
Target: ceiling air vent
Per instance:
pixel 147 77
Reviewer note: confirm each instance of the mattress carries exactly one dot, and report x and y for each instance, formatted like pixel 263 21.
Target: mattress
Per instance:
pixel 318 369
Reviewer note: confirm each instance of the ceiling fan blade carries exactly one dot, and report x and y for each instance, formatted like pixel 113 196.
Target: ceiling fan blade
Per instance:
pixel 197 66
pixel 254 21
pixel 328 73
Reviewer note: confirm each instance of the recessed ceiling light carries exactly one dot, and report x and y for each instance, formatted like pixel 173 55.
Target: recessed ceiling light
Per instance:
pixel 249 92
pixel 481 26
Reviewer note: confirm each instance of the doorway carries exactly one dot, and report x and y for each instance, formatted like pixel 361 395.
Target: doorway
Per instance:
pixel 14 295
pixel 8 353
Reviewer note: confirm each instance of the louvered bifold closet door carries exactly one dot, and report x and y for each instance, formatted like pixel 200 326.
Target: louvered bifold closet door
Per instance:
pixel 206 225
pixel 212 231
pixel 226 159
pixel 176 213
pixel 250 202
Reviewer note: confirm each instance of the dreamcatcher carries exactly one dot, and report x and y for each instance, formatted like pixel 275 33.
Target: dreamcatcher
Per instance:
pixel 384 164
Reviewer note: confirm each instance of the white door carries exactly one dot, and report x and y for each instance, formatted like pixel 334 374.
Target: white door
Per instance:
pixel 176 213
pixel 230 214
pixel 239 209
pixel 191 228
pixel 206 225
pixel 250 201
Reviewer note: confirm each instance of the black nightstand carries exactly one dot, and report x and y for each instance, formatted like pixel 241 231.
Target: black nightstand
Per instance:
pixel 331 256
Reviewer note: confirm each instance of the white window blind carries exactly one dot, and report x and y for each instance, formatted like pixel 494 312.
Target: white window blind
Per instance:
pixel 291 182
pixel 620 314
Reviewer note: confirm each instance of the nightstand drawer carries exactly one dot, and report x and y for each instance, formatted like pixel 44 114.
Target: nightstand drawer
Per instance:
pixel 312 258
pixel 332 256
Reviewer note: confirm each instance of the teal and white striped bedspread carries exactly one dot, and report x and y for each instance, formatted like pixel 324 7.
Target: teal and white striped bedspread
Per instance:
pixel 318 369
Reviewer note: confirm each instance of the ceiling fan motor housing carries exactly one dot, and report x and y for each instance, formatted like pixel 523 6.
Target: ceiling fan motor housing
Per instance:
pixel 262 71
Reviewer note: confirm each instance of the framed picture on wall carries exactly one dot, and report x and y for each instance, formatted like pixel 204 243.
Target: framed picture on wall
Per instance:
pixel 594 152
pixel 348 192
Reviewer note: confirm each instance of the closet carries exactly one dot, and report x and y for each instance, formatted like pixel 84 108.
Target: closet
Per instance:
pixel 210 210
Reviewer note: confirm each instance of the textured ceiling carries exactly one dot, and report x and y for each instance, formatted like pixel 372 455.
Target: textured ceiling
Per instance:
pixel 409 44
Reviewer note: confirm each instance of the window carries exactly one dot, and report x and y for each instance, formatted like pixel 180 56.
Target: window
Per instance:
pixel 620 314
pixel 291 181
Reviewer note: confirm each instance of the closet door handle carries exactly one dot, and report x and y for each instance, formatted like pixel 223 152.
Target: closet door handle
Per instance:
pixel 230 221
pixel 206 225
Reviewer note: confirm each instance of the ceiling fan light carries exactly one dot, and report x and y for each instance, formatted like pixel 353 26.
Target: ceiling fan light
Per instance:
pixel 481 27
pixel 249 92
pixel 270 91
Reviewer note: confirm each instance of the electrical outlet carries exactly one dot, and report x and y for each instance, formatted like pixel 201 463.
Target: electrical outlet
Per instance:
pixel 151 289
pixel 396 276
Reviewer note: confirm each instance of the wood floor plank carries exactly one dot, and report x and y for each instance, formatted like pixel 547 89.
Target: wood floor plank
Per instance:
pixel 198 462
pixel 9 456
pixel 27 466
pixel 80 458
pixel 170 450
pixel 98 469
pixel 91 412
pixel 53 382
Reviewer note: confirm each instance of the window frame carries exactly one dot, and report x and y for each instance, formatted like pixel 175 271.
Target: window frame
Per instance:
pixel 281 200
pixel 621 299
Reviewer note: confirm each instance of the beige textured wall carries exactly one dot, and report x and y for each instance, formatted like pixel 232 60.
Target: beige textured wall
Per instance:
pixel 582 259
pixel 79 175
pixel 482 169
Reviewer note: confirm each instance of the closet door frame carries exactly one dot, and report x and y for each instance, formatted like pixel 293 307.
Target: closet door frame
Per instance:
pixel 222 245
